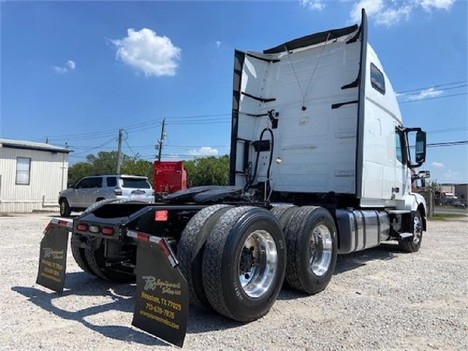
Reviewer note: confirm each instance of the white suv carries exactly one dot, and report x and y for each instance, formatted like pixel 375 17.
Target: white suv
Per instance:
pixel 89 190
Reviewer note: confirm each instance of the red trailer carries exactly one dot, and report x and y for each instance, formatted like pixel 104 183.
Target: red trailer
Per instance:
pixel 169 177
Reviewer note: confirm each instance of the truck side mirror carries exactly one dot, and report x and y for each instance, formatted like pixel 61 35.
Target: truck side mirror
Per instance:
pixel 420 147
pixel 424 174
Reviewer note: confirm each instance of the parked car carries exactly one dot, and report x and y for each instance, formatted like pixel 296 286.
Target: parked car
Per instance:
pixel 459 204
pixel 89 190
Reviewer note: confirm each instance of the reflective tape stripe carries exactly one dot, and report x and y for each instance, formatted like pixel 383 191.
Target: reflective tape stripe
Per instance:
pixel 143 236
pixel 163 245
pixel 62 223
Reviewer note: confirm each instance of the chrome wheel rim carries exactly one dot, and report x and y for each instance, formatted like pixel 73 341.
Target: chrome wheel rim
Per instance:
pixel 417 229
pixel 320 250
pixel 258 263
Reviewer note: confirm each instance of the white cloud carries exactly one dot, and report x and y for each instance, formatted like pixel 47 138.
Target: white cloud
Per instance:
pixel 204 151
pixel 148 52
pixel 424 94
pixel 392 12
pixel 69 66
pixel 428 5
pixel 218 43
pixel 437 164
pixel 316 5
pixel 381 11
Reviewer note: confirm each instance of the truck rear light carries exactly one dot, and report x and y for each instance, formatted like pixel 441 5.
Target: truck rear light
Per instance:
pixel 82 227
pixel 160 216
pixel 94 229
pixel 118 192
pixel 107 230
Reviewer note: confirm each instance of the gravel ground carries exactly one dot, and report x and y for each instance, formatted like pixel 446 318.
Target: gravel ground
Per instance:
pixel 379 299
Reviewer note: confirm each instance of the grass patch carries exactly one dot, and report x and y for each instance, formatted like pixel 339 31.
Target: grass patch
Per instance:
pixel 444 216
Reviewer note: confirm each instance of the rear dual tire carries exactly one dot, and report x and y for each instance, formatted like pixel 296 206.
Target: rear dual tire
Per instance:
pixel 191 247
pixel 241 253
pixel 234 260
pixel 312 249
pixel 94 254
pixel 244 263
pixel 78 243
pixel 89 255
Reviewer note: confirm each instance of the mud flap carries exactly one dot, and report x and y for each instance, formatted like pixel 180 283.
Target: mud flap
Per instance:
pixel 53 255
pixel 161 297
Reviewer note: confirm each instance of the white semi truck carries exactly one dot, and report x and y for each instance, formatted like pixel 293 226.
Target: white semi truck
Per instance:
pixel 321 165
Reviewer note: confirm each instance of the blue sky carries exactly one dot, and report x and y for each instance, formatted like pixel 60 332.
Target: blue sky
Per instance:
pixel 76 72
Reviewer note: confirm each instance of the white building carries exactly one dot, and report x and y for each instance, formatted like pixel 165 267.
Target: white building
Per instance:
pixel 31 175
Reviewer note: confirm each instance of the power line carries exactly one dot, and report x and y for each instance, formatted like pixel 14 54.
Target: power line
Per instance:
pixel 195 146
pixel 96 147
pixel 448 143
pixel 200 116
pixel 433 86
pixel 144 125
pixel 133 152
pixel 448 130
pixel 200 122
pixel 433 98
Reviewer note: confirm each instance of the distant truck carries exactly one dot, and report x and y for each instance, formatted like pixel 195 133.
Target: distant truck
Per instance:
pixel 169 177
pixel 321 165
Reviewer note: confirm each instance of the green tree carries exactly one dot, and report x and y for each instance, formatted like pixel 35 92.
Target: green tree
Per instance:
pixel 106 163
pixel 433 186
pixel 208 171
pixel 139 167
pixel 78 171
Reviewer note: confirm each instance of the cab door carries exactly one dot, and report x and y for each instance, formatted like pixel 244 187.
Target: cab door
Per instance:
pixel 401 170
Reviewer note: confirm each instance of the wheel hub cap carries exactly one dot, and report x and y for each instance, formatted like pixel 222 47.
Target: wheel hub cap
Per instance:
pixel 258 263
pixel 320 250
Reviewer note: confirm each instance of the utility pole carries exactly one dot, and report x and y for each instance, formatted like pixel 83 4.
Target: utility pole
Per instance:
pixel 161 140
pixel 119 151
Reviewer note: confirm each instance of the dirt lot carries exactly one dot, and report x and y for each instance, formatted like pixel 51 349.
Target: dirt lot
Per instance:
pixel 379 299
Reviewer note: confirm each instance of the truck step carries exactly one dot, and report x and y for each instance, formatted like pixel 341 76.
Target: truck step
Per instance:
pixel 405 235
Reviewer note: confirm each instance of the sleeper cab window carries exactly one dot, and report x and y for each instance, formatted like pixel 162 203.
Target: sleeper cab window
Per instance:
pixel 377 79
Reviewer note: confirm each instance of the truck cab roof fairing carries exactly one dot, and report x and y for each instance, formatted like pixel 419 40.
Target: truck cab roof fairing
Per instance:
pixel 312 39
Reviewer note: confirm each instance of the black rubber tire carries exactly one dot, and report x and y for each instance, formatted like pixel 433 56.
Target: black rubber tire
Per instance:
pixel 190 250
pixel 413 244
pixel 222 258
pixel 79 253
pixel 95 258
pixel 65 209
pixel 94 253
pixel 284 212
pixel 299 274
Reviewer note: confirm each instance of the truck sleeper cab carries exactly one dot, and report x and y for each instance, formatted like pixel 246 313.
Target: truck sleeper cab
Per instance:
pixel 320 165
